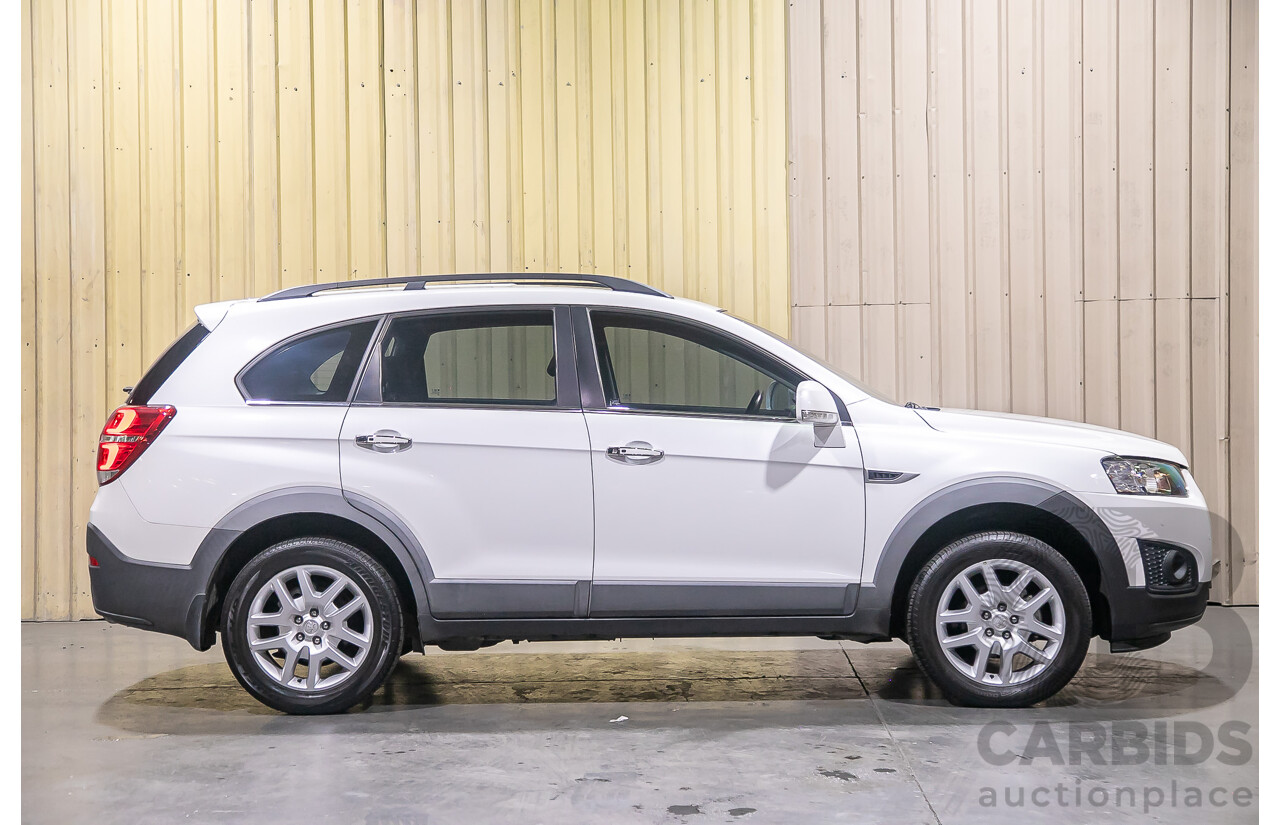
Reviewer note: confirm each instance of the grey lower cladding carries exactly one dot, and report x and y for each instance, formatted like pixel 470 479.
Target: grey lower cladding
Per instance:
pixel 166 598
pixel 470 599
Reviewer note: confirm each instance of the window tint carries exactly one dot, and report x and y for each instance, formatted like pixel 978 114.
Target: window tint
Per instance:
pixel 655 364
pixel 505 357
pixel 318 367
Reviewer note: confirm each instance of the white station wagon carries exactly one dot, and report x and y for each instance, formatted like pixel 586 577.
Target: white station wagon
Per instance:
pixel 337 474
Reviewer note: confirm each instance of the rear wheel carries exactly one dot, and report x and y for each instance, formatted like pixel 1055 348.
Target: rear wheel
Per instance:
pixel 999 620
pixel 312 625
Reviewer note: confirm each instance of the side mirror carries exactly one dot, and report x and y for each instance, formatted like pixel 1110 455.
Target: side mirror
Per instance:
pixel 815 405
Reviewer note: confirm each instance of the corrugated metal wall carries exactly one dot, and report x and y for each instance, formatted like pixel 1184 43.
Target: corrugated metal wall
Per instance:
pixel 183 152
pixel 1043 207
pixel 964 177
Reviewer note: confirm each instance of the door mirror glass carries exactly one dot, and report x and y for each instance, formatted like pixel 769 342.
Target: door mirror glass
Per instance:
pixel 815 405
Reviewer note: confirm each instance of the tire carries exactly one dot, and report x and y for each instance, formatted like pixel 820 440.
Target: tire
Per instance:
pixel 961 670
pixel 354 637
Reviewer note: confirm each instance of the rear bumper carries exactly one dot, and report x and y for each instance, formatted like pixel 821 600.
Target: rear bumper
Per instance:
pixel 1141 619
pixel 166 598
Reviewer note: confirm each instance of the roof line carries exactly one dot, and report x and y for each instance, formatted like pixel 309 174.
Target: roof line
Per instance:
pixel 414 282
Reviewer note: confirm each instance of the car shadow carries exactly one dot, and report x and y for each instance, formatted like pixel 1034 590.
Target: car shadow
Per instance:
pixel 738 688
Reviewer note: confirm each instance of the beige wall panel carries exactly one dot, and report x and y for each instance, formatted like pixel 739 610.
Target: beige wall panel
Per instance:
pixel 161 174
pixel 1102 363
pixel 198 150
pixel 1243 305
pixel 1062 159
pixel 89 394
pixel 1101 221
pixel 836 158
pixel 366 150
pixel 875 149
pixel 232 208
pixel 1210 121
pixel 54 385
pixel 910 152
pixel 1135 141
pixel 1079 239
pixel 1137 376
pixel 806 152
pixel 1024 79
pixel 1172 130
pixel 988 194
pixel 948 198
pixel 329 101
pixel 264 148
pixel 30 476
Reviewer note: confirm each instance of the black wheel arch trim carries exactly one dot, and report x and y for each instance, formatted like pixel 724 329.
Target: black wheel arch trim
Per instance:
pixel 876 602
pixel 292 501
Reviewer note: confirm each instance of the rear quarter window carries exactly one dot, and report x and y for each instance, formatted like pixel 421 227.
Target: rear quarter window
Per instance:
pixel 316 367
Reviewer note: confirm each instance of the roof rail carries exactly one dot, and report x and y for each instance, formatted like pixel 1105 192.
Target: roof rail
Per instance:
pixel 420 281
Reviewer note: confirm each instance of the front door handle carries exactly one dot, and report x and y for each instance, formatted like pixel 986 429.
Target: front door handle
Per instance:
pixel 637 452
pixel 384 441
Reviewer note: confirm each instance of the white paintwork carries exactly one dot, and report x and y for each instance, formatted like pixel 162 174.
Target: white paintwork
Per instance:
pixel 730 500
pixel 210 460
pixel 114 514
pixel 506 494
pixel 210 315
pixel 490 494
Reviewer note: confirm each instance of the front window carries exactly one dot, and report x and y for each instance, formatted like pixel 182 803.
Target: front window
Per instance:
pixel 658 364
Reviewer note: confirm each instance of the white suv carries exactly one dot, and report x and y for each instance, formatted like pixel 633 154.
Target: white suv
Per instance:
pixel 337 474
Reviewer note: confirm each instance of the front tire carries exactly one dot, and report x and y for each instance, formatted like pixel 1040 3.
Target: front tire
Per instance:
pixel 312 626
pixel 999 620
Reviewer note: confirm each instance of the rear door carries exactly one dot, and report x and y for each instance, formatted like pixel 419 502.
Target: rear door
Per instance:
pixel 464 430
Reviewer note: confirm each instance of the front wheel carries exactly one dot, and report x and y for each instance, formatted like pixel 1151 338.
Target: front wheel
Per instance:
pixel 312 625
pixel 999 620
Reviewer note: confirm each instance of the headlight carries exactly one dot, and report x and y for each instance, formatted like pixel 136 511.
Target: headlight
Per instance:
pixel 1142 476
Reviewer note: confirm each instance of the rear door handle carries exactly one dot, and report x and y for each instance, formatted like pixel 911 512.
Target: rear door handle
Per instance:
pixel 384 441
pixel 637 452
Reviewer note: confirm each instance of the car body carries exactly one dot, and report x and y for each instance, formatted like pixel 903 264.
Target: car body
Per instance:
pixel 572 463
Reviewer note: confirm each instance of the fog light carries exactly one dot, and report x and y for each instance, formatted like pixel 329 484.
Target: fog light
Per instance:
pixel 1169 568
pixel 1176 568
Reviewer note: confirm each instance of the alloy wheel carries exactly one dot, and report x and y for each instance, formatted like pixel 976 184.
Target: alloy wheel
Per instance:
pixel 1000 622
pixel 310 628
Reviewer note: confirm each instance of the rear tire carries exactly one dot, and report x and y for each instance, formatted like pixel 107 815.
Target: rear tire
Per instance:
pixel 1005 643
pixel 312 626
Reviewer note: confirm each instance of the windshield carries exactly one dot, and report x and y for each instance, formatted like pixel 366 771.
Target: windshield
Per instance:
pixel 857 382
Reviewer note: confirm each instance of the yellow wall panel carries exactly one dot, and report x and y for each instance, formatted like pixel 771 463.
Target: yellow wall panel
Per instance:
pixel 200 150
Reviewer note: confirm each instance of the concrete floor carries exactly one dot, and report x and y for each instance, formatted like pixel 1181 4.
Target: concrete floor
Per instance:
pixel 130 727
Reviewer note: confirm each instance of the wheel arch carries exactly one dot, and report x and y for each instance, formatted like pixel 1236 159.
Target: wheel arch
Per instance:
pixel 1026 506
pixel 263 521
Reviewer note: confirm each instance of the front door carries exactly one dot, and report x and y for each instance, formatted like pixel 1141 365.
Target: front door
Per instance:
pixel 710 499
pixel 465 432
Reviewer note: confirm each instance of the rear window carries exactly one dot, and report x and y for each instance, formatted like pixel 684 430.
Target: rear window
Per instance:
pixel 167 363
pixel 318 367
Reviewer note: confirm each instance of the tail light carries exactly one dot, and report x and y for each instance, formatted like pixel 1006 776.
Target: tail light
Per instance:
pixel 128 432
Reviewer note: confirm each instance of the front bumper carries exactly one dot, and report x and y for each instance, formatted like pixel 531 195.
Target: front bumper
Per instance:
pixel 166 598
pixel 1141 619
